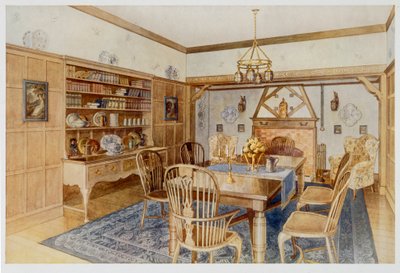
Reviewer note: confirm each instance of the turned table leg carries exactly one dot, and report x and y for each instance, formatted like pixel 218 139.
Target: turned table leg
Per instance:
pixel 172 234
pixel 300 180
pixel 259 237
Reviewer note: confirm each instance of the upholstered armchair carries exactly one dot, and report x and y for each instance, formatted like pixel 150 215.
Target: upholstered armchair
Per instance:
pixel 218 145
pixel 363 152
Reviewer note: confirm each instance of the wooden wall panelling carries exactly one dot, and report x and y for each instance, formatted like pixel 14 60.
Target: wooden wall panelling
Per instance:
pixel 390 135
pixel 170 133
pixel 16 146
pixel 54 191
pixel 34 149
pixel 16 195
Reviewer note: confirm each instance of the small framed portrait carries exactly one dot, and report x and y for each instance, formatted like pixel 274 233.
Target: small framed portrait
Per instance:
pixel 241 128
pixel 220 128
pixel 170 108
pixel 35 100
pixel 337 129
pixel 363 129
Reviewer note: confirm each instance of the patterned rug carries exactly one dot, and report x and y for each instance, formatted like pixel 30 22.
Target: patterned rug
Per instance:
pixel 118 238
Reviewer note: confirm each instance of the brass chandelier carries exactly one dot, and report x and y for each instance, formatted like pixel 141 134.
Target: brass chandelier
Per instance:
pixel 254 66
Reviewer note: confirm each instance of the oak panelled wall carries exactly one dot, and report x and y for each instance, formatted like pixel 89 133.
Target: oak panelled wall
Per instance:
pixel 169 133
pixel 390 136
pixel 33 149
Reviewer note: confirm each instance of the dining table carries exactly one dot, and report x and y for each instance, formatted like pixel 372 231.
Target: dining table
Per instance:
pixel 255 190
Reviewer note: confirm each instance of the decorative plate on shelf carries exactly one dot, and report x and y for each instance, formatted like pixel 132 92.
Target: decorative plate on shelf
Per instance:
pixel 81 144
pixel 97 118
pixel 112 144
pixel 74 120
pixel 94 145
pixel 135 136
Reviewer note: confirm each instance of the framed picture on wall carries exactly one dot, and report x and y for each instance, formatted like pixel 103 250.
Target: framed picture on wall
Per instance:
pixel 363 129
pixel 220 128
pixel 35 100
pixel 337 129
pixel 170 108
pixel 241 128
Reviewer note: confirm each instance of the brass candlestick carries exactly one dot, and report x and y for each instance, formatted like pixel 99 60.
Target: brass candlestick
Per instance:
pixel 230 177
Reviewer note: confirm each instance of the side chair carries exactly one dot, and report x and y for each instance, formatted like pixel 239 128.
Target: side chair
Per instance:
pixel 318 195
pixel 192 153
pixel 151 172
pixel 306 224
pixel 193 195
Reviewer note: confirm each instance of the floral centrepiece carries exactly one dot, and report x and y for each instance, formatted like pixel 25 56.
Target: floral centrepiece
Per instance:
pixel 252 151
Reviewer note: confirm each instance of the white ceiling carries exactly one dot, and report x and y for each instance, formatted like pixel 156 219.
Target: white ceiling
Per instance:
pixel 192 26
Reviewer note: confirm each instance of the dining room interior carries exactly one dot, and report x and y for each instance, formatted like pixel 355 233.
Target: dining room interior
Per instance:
pixel 162 134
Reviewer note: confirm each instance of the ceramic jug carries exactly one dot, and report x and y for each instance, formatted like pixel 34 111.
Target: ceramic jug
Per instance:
pixel 270 164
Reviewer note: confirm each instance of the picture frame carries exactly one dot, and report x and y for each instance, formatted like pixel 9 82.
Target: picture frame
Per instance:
pixel 363 129
pixel 35 100
pixel 170 108
pixel 220 128
pixel 337 129
pixel 241 128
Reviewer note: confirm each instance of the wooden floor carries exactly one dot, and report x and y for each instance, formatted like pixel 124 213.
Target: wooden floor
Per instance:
pixel 24 247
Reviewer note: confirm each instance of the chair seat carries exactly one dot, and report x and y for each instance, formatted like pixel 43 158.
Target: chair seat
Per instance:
pixel 315 195
pixel 200 246
pixel 160 196
pixel 299 224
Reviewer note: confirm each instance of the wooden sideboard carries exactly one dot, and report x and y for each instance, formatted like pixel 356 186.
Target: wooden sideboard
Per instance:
pixel 85 172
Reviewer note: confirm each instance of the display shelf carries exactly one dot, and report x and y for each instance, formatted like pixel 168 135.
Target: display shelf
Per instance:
pixel 106 109
pixel 108 83
pixel 105 128
pixel 107 95
pixel 121 95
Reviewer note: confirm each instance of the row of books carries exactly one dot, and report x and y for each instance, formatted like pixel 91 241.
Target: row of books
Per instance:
pixel 101 89
pixel 78 86
pixel 74 100
pixel 138 93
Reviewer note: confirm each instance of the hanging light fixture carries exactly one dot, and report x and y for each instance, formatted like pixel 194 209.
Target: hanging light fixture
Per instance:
pixel 254 66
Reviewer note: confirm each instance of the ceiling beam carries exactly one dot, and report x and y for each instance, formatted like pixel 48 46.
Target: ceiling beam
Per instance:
pixel 110 18
pixel 390 18
pixel 292 38
pixel 330 73
pixel 115 20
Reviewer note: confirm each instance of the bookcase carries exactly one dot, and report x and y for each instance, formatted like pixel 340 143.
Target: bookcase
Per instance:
pixel 105 100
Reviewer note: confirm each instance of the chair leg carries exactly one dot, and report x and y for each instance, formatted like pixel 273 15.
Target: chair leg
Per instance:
pixel 210 257
pixel 329 248
pixel 143 213
pixel 194 257
pixel 294 244
pixel 282 237
pixel 334 250
pixel 300 205
pixel 162 210
pixel 176 253
pixel 237 244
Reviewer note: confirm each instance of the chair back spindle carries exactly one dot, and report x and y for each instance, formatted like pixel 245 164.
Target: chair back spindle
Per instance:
pixel 194 195
pixel 151 170
pixel 192 153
